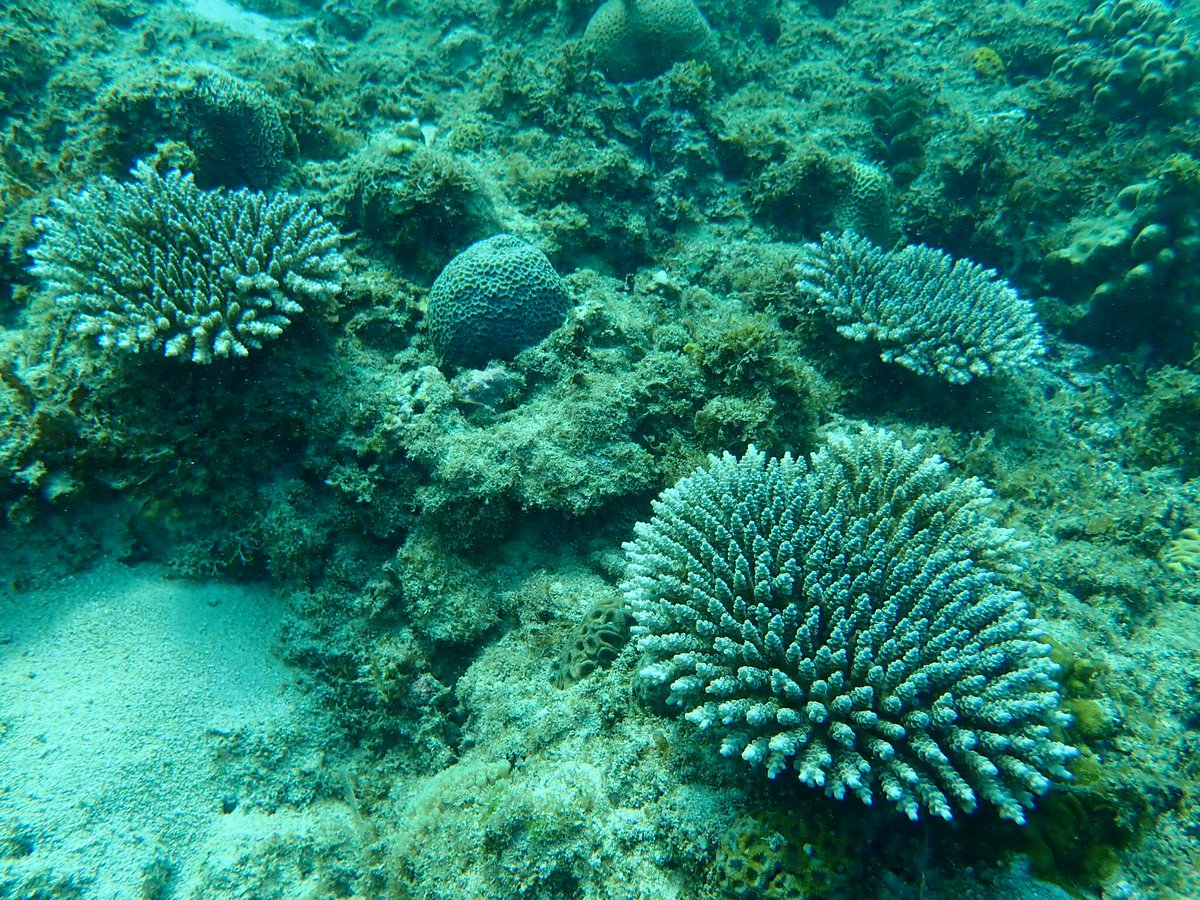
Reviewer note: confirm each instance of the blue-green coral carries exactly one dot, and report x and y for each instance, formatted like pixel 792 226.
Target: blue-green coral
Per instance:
pixel 493 300
pixel 848 618
pixel 926 311
pixel 157 264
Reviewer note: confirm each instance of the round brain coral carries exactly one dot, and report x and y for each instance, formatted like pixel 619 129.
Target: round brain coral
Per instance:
pixel 633 39
pixel 493 300
pixel 847 619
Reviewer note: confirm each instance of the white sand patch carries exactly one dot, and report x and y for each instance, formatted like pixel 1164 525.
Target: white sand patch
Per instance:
pixel 244 21
pixel 115 687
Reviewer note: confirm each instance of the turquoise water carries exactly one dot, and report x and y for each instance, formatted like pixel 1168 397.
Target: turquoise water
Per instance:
pixel 367 374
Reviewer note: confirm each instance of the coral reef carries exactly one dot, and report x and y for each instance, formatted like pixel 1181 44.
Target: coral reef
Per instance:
pixel 848 618
pixel 927 312
pixel 156 264
pixel 632 39
pixel 438 534
pixel 1133 55
pixel 493 300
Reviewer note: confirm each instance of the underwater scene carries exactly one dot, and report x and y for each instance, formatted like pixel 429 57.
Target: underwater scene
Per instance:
pixel 599 449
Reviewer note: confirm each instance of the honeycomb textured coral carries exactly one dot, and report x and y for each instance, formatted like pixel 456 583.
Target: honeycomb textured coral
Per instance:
pixel 236 127
pixel 232 127
pixel 925 311
pixel 634 39
pixel 158 264
pixel 847 619
pixel 493 300
pixel 595 642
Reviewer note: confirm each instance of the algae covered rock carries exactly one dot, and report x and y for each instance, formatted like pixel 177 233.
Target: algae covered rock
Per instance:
pixel 493 300
pixel 632 39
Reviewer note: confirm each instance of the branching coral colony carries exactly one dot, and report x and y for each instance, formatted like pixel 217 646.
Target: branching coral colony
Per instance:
pixel 846 618
pixel 158 264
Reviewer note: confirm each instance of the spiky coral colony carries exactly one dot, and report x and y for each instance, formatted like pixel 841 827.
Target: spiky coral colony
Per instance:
pixel 159 264
pixel 847 618
pixel 926 311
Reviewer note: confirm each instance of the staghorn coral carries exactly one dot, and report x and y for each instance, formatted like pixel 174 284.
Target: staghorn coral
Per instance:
pixel 493 300
pixel 847 618
pixel 927 312
pixel 158 264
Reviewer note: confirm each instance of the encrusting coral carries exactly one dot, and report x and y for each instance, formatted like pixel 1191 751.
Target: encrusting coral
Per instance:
pixel 156 264
pixel 847 618
pixel 1135 55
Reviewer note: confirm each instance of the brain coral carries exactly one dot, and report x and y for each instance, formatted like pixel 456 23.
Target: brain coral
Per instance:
pixel 632 39
pixel 847 618
pixel 158 264
pixel 233 128
pixel 926 311
pixel 493 300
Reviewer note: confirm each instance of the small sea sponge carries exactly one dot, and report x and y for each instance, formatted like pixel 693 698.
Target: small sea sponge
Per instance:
pixel 987 63
pixel 632 39
pixel 158 264
pixel 925 311
pixel 493 300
